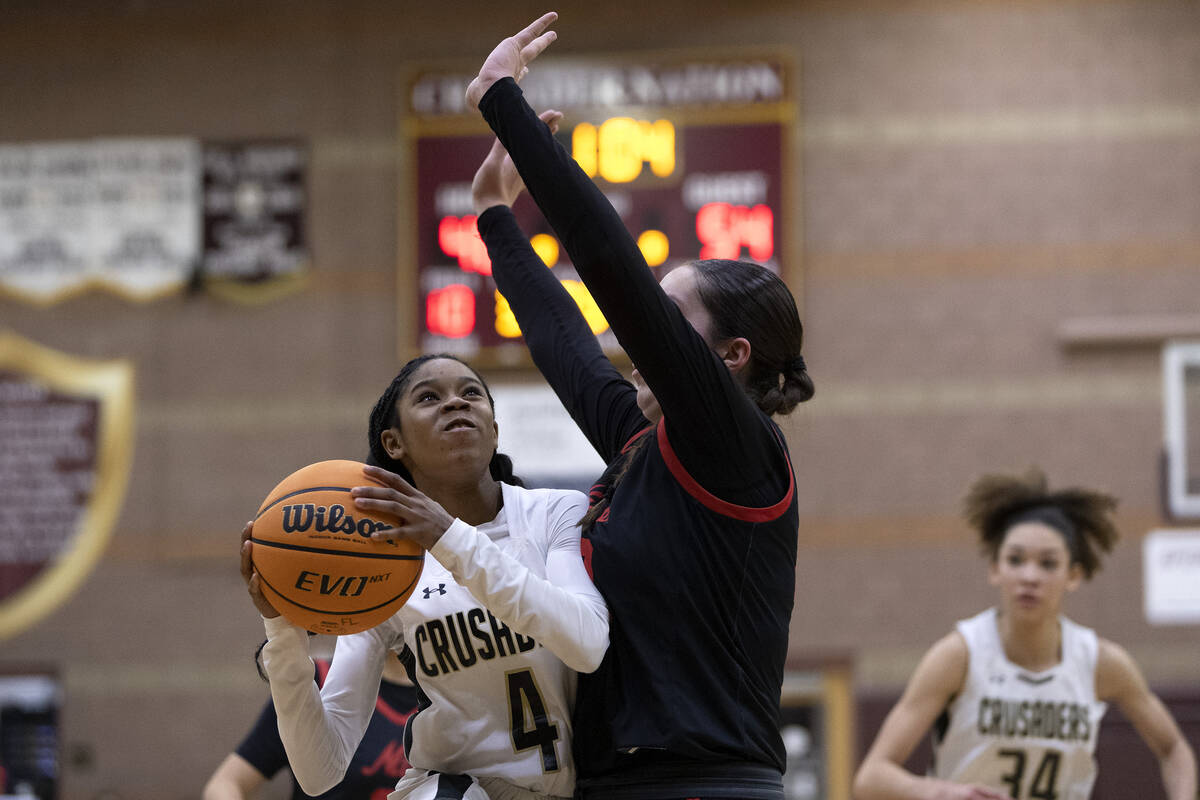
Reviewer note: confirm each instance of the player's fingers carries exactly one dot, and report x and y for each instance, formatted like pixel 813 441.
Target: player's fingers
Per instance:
pixel 534 49
pixel 390 534
pixel 551 117
pixel 533 29
pixel 364 503
pixel 247 564
pixel 386 478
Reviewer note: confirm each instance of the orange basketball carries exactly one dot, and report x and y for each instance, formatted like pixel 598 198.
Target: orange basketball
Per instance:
pixel 315 557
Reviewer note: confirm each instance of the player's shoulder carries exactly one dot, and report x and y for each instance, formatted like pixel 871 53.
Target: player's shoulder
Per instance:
pixel 942 671
pixel 950 651
pixel 1116 671
pixel 547 498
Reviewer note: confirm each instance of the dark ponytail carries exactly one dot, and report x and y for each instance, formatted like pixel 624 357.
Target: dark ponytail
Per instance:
pixel 383 417
pixel 501 468
pixel 749 301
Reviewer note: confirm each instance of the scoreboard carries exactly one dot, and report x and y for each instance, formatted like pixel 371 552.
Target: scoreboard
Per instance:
pixel 694 155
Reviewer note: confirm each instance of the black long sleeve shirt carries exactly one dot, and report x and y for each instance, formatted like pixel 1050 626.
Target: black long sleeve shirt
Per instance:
pixel 696 550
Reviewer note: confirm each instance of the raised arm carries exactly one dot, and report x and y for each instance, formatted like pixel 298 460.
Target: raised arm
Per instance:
pixel 1119 680
pixel 597 397
pixel 936 680
pixel 709 417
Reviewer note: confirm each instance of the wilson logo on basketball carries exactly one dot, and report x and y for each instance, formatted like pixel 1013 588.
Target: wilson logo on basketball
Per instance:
pixel 303 517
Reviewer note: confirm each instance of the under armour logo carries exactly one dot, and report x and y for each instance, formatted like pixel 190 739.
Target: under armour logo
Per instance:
pixel 441 589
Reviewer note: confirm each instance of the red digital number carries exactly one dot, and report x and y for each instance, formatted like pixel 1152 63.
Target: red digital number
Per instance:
pixel 450 311
pixel 724 229
pixel 459 238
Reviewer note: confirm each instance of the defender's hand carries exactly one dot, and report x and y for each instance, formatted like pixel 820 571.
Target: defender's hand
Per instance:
pixel 512 57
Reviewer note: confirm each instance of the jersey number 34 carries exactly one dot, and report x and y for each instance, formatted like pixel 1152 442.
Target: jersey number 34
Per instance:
pixel 1043 785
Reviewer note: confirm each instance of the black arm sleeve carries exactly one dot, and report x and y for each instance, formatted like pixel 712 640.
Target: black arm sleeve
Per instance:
pixel 602 403
pixel 719 435
pixel 262 747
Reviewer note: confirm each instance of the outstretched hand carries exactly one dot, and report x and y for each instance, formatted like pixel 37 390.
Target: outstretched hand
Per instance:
pixel 250 575
pixel 512 57
pixel 497 182
pixel 422 520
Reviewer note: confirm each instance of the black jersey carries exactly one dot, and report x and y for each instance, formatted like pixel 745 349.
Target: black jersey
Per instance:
pixel 696 550
pixel 378 763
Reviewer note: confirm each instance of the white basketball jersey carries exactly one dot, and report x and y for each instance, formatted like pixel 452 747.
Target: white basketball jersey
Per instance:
pixel 493 703
pixel 499 703
pixel 1031 734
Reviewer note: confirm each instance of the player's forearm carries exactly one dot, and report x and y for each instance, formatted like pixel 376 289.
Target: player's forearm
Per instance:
pixel 572 624
pixel 316 742
pixel 1178 768
pixel 879 779
pixel 220 789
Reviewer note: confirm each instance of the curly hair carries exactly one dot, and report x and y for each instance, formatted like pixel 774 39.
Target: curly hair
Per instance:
pixel 993 502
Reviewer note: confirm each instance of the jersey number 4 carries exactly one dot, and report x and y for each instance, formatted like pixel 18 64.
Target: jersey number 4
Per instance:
pixel 531 727
pixel 1044 785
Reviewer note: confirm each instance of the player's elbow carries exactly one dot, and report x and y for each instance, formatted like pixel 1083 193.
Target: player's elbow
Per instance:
pixel 314 784
pixel 592 658
pixel 589 653
pixel 863 787
pixel 317 778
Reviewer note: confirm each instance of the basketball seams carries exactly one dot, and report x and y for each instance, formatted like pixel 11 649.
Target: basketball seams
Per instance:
pixel 296 493
pixel 333 611
pixel 325 556
pixel 330 552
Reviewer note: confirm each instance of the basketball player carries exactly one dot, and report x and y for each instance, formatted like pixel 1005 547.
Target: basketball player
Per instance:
pixel 502 617
pixel 692 527
pixel 1017 691
pixel 377 765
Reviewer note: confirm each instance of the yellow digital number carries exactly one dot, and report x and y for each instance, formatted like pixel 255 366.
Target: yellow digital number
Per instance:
pixel 621 146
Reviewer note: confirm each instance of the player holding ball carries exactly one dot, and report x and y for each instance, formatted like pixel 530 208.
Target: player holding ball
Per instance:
pixel 501 617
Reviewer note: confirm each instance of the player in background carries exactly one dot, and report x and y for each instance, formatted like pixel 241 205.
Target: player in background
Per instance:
pixel 502 617
pixel 691 532
pixel 1015 694
pixel 377 765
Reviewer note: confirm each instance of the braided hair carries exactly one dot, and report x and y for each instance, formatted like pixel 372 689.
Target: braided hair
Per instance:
pixel 384 416
pixel 996 503
pixel 749 301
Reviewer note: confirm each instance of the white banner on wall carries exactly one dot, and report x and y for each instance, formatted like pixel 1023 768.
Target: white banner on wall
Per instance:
pixel 118 213
pixel 146 222
pixel 44 225
pixel 1171 577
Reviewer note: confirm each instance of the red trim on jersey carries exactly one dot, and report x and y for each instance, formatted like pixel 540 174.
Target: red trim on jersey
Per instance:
pixel 635 437
pixel 322 670
pixel 397 717
pixel 714 503
pixel 585 549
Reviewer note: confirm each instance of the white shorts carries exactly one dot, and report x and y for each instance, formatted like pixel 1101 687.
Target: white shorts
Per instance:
pixel 421 784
